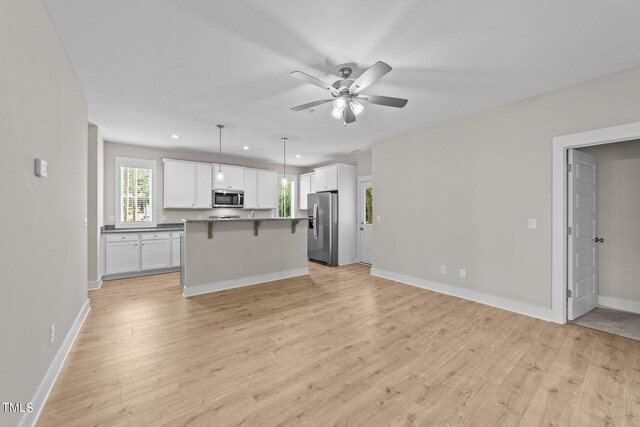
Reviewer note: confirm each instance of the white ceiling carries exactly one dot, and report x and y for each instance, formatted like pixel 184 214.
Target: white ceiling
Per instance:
pixel 152 68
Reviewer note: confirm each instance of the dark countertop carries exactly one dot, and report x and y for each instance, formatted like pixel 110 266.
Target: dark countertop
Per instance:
pixel 108 229
pixel 301 218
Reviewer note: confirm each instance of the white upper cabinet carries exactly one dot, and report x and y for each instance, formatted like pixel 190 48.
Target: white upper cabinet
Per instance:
pixel 187 185
pixel 250 188
pixel 204 198
pixel 180 184
pixel 267 189
pixel 307 185
pixel 233 178
pixel 326 178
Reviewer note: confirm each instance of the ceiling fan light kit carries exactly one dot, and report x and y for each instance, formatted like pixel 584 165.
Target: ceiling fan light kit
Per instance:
pixel 346 92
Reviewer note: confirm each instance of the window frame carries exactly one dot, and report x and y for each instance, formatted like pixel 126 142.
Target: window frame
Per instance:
pixel 143 164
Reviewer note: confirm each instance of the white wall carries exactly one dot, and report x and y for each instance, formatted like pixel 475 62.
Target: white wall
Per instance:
pixel 43 249
pixel 111 150
pixel 618 219
pixel 95 197
pixel 472 184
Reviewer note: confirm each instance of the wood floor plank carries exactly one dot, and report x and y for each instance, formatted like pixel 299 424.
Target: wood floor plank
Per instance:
pixel 602 398
pixel 337 347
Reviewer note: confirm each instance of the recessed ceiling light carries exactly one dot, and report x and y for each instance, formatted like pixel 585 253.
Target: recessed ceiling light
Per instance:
pixel 246 147
pixel 298 156
pixel 174 136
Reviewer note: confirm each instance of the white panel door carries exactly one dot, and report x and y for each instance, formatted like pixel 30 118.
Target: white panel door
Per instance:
pixel 267 189
pixel 582 245
pixel 122 257
pixel 365 204
pixel 204 197
pixel 156 254
pixel 179 184
pixel 250 188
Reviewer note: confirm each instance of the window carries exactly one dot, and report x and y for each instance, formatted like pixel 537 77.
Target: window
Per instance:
pixel 286 197
pixel 135 192
pixel 368 205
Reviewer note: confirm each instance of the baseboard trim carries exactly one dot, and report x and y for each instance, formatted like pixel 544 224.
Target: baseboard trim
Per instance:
pixel 619 304
pixel 482 298
pixel 190 291
pixel 45 387
pixel 140 273
pixel 95 284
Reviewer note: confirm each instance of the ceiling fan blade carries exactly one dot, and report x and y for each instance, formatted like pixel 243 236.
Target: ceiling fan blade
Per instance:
pixel 310 104
pixel 388 101
pixel 375 72
pixel 314 81
pixel 349 116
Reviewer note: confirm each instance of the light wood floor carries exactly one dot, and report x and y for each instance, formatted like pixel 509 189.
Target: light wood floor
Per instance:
pixel 337 348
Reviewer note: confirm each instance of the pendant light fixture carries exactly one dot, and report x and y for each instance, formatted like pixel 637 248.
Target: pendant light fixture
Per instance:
pixel 284 160
pixel 220 174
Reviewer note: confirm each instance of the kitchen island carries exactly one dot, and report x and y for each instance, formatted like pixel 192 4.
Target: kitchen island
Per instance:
pixel 220 254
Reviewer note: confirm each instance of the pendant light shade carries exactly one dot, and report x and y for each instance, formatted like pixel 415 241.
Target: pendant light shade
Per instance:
pixel 220 174
pixel 284 160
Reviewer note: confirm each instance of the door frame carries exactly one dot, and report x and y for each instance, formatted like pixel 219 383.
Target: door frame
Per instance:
pixel 561 145
pixel 360 210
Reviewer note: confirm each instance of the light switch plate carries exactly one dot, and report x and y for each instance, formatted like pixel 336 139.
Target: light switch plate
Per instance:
pixel 112 218
pixel 533 223
pixel 378 218
pixel 41 168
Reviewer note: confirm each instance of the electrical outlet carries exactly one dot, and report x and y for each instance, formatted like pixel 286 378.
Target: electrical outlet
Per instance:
pixel 52 333
pixel 164 217
pixel 533 224
pixel 112 218
pixel 463 273
pixel 443 269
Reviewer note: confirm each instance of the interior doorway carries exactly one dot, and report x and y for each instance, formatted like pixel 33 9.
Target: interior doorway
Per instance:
pixel 365 209
pixel 602 227
pixel 562 145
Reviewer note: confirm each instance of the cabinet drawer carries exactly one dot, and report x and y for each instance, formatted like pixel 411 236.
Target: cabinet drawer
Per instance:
pixel 156 236
pixel 176 235
pixel 125 237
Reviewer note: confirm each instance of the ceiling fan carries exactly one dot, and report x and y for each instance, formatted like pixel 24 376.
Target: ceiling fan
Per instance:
pixel 346 96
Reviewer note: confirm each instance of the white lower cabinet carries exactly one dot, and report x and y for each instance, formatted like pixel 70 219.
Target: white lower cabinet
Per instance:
pixel 122 254
pixel 156 251
pixel 136 252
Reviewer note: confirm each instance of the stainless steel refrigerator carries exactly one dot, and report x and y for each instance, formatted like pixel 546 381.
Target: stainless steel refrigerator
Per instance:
pixel 322 242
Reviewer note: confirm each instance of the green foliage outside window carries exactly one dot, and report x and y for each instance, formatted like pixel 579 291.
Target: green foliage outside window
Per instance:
pixel 368 205
pixel 285 192
pixel 135 194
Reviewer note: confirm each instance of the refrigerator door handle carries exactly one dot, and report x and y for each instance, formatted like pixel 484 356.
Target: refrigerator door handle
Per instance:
pixel 315 221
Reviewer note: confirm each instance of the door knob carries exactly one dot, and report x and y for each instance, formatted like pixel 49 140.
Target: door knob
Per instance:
pixel 599 240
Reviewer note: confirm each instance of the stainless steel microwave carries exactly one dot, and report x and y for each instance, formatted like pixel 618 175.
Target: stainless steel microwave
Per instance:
pixel 228 199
